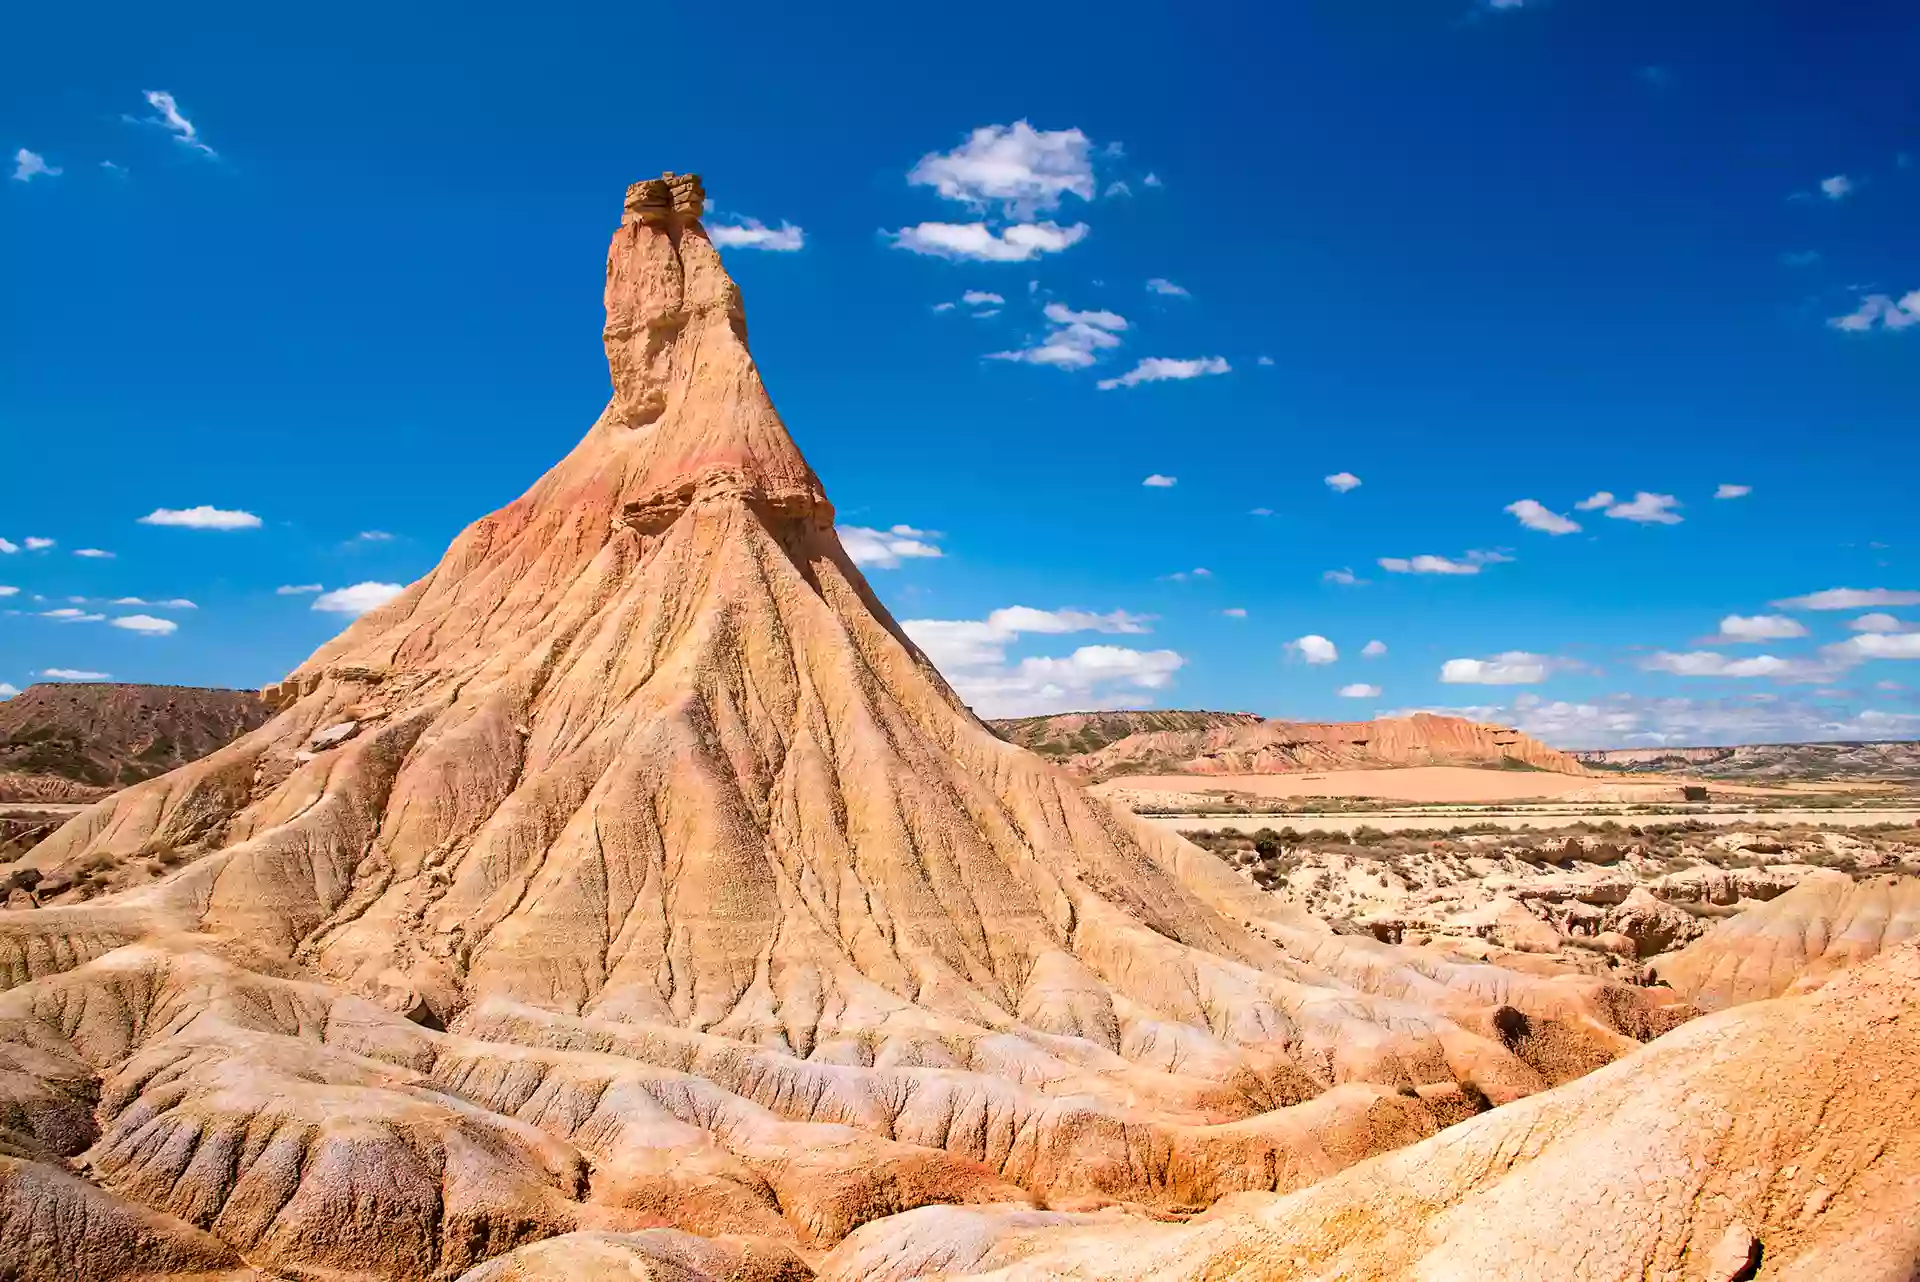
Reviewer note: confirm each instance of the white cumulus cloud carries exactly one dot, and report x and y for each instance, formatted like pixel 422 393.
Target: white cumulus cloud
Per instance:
pixel 1359 690
pixel 74 674
pixel 1537 516
pixel 1728 491
pixel 1314 648
pixel 1598 499
pixel 357 599
pixel 1161 285
pixel 1159 482
pixel 976 242
pixel 1373 649
pixel 146 624
pixel 981 298
pixel 1877 645
pixel 972 653
pixel 1877 623
pixel 1156 369
pixel 1760 627
pixel 1838 187
pixel 203 517
pixel 94 554
pixel 1341 482
pixel 71 614
pixel 37 544
pixel 1430 564
pixel 885 549
pixel 1023 170
pixel 751 233
pixel 1072 340
pixel 1514 667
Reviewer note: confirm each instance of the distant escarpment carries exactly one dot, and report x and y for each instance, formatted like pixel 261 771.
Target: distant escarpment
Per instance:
pixel 77 742
pixel 1238 743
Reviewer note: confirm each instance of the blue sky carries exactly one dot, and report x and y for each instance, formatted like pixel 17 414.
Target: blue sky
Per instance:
pixel 340 274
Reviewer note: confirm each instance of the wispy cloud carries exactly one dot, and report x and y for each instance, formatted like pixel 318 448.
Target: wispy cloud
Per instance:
pixel 29 165
pixel 1345 577
pixel 74 674
pixel 172 603
pixel 202 518
pixel 1161 285
pixel 357 599
pixel 296 589
pixel 171 120
pixel 1710 663
pixel 1430 564
pixel 885 549
pixel 1727 491
pixel 1881 311
pixel 1156 369
pixel 976 242
pixel 1647 509
pixel 94 554
pixel 1850 599
pixel 373 536
pixel 751 233
pixel 1235 612
pixel 35 543
pixel 1838 187
pixel 1072 340
pixel 71 614
pixel 1537 516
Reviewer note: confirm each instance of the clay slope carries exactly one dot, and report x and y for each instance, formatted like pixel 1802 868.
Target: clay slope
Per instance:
pixel 1282 747
pixel 632 875
pixel 1797 942
pixel 1771 1141
pixel 70 742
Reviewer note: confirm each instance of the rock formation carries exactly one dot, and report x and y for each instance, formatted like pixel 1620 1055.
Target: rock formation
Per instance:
pixel 629 894
pixel 1797 942
pixel 1770 1141
pixel 1255 747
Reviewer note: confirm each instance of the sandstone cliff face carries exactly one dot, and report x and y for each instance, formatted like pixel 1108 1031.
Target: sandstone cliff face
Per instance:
pixel 631 894
pixel 1283 747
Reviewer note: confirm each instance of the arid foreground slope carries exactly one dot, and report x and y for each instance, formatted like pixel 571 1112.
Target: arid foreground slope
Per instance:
pixel 630 898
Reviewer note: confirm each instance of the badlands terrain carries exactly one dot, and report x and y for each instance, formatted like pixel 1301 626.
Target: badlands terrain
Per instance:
pixel 631 898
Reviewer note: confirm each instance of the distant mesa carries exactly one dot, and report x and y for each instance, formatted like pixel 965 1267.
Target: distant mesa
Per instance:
pixel 1104 745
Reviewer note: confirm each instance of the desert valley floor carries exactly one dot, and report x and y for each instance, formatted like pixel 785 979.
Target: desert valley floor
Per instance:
pixel 631 898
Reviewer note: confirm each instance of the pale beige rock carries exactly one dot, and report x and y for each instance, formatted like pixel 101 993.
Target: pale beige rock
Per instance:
pixel 1670 1163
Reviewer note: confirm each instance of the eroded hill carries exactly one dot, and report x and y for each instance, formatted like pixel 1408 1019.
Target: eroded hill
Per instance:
pixel 75 742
